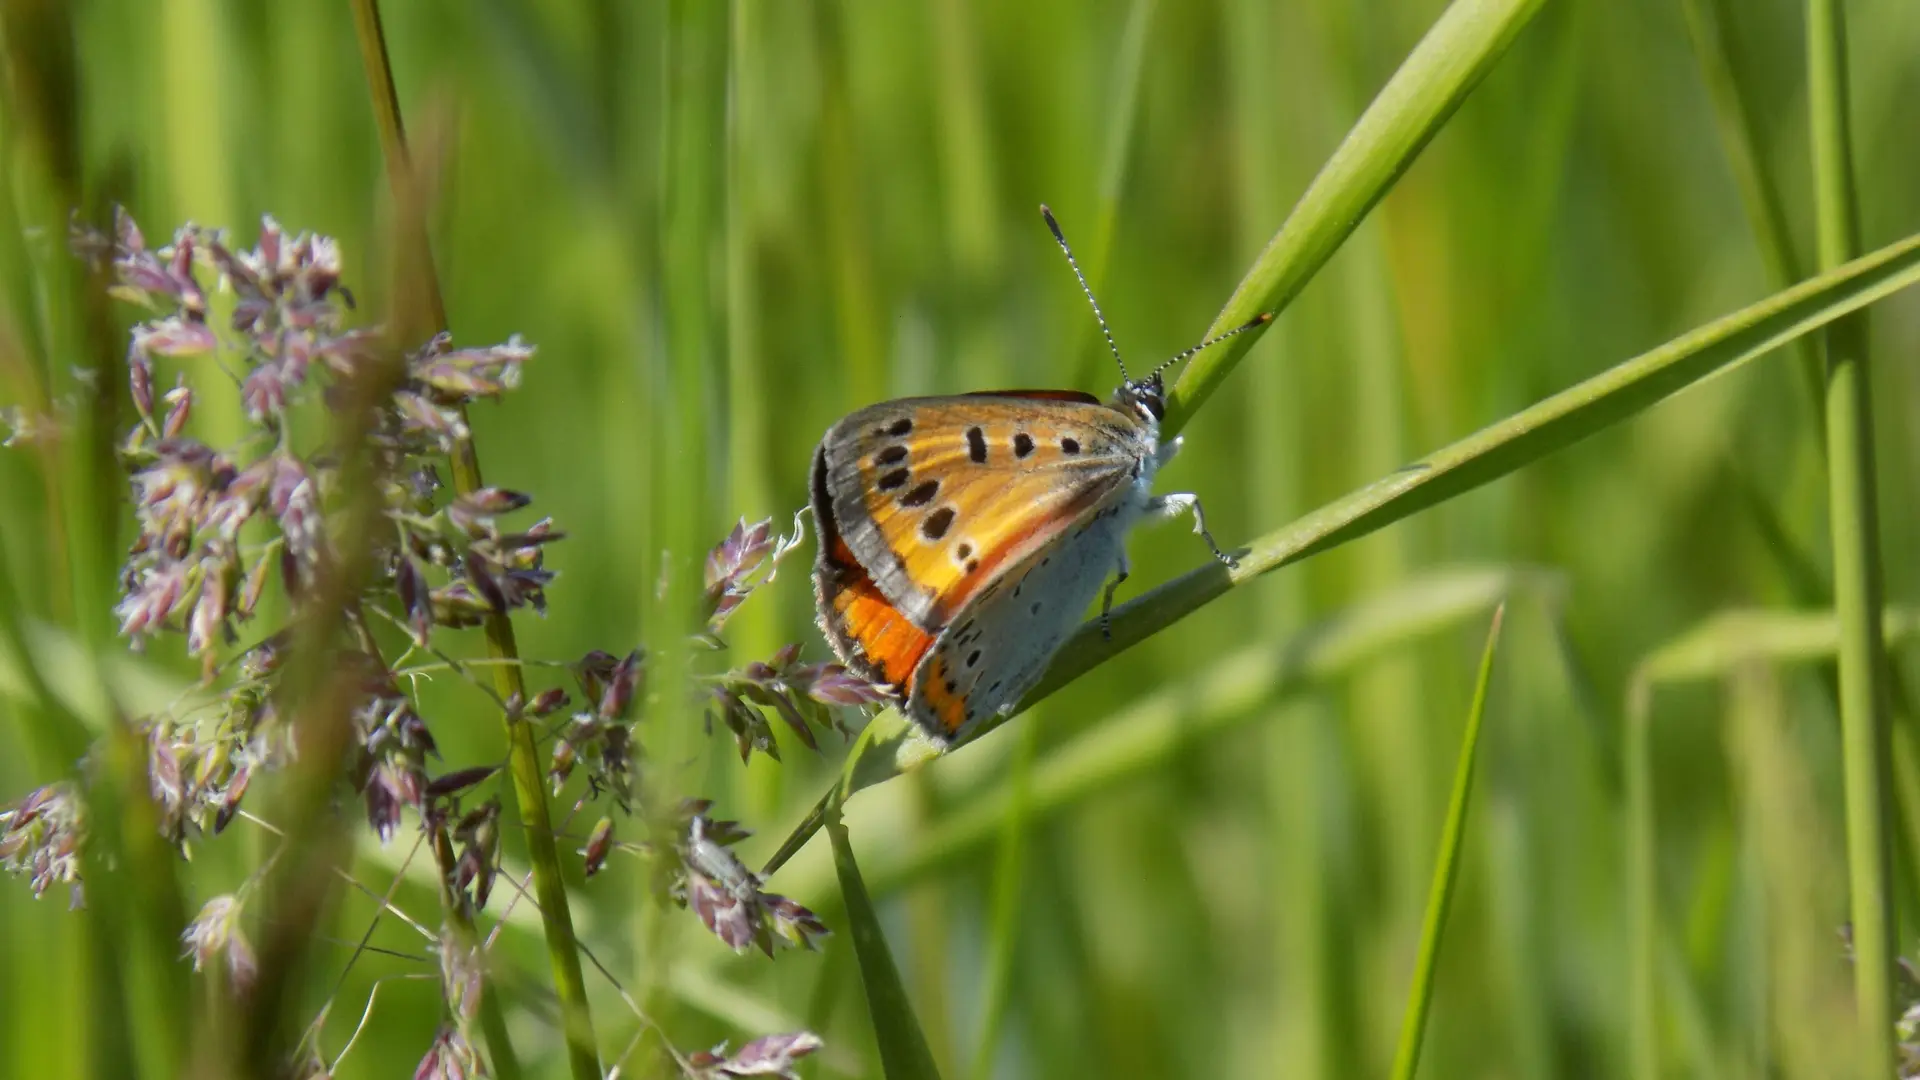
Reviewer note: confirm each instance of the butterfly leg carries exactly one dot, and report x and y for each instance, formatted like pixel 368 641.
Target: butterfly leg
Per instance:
pixel 1106 601
pixel 1183 503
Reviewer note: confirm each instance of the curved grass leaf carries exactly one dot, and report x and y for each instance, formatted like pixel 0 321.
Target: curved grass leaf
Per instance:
pixel 1407 1058
pixel 1456 53
pixel 1149 732
pixel 903 1048
pixel 1608 398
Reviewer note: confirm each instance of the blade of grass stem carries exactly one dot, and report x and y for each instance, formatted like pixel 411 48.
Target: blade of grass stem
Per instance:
pixel 523 758
pixel 60 740
pixel 1089 350
pixel 1406 1060
pixel 1608 398
pixel 1146 734
pixel 903 1049
pixel 1456 53
pixel 1717 646
pixel 1806 584
pixel 846 233
pixel 1853 517
pixel 752 631
pixel 1709 30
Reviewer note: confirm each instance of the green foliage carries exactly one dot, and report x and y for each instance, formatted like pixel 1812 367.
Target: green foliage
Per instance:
pixel 724 226
pixel 1413 1029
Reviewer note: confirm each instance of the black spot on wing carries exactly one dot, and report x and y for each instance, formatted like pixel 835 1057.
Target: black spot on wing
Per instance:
pixel 892 455
pixel 922 494
pixel 937 523
pixel 902 426
pixel 977 445
pixel 1070 445
pixel 895 479
pixel 1022 444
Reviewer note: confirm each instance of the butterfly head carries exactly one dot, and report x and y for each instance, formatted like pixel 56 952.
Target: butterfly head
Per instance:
pixel 1145 398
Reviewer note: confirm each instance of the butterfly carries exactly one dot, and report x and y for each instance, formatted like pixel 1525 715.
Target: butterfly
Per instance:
pixel 961 538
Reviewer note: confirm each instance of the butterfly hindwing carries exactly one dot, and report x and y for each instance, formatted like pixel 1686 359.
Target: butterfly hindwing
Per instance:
pixel 1000 644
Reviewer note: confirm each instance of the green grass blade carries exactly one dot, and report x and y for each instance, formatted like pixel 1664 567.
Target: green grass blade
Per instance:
pixel 903 1048
pixel 1854 520
pixel 1727 639
pixel 1406 1060
pixel 1642 886
pixel 1710 30
pixel 1459 50
pixel 1156 729
pixel 1492 452
pixel 1718 646
pixel 526 769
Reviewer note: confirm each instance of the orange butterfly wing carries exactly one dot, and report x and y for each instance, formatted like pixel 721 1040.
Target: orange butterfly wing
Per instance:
pixel 925 505
pixel 936 496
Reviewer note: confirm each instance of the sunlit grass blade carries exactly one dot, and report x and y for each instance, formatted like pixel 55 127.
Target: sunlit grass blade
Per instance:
pixel 1406 1059
pixel 1718 646
pixel 1608 398
pixel 1459 50
pixel 1157 728
pixel 1854 520
pixel 903 1049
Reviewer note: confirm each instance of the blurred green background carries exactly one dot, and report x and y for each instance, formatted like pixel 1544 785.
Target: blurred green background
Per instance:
pixel 725 225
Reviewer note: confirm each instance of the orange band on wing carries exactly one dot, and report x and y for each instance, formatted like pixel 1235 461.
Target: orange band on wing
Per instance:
pixel 887 639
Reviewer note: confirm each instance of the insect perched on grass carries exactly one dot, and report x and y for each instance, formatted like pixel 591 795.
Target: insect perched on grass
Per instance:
pixel 962 537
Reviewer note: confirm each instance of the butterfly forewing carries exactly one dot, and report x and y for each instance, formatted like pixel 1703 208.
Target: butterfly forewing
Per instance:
pixel 935 497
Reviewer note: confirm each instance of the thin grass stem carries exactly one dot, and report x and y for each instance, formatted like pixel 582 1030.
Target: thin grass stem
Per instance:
pixel 524 766
pixel 1456 53
pixel 1406 1060
pixel 1853 519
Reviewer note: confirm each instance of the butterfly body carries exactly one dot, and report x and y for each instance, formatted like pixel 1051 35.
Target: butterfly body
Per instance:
pixel 963 538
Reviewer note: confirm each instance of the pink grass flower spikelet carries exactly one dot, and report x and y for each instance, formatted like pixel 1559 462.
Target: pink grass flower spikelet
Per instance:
pixel 40 838
pixel 451 1057
pixel 727 897
pixel 229 529
pixel 215 935
pixel 768 1056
